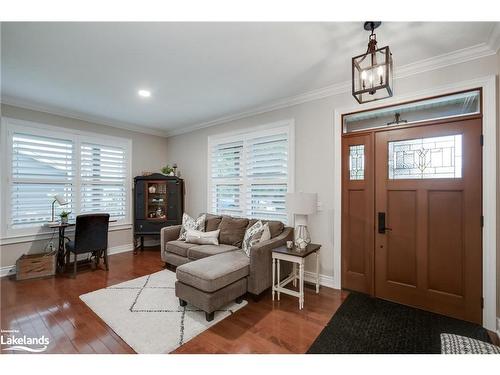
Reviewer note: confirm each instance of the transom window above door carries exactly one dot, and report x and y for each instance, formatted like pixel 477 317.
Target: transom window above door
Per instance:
pixel 451 105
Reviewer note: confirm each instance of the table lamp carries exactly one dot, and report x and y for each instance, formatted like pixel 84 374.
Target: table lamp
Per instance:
pixel 301 205
pixel 59 199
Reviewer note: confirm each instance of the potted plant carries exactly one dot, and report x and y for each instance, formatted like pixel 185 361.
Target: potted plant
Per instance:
pixel 64 217
pixel 167 170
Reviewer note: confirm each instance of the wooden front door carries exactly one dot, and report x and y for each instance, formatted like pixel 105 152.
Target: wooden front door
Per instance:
pixel 427 244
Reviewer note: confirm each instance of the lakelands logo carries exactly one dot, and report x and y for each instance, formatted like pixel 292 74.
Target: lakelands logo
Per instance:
pixel 12 340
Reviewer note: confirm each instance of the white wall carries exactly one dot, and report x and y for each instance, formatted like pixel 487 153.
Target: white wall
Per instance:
pixel 314 148
pixel 148 154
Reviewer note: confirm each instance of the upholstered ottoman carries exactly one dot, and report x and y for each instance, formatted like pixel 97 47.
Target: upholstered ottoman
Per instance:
pixel 212 282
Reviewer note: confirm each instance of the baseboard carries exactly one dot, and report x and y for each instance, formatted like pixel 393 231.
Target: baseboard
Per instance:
pixel 120 249
pixel 11 270
pixel 324 280
pixel 7 271
pixel 148 243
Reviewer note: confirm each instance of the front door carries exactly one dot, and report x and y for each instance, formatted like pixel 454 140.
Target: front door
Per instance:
pixel 426 218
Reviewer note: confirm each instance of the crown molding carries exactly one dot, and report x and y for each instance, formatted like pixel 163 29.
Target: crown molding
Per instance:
pixel 275 105
pixel 437 62
pixel 494 39
pixel 441 61
pixel 26 104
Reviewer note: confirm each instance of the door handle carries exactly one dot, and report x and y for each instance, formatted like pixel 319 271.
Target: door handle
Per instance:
pixel 381 223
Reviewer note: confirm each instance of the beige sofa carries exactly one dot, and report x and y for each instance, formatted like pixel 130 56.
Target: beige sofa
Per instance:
pixel 209 276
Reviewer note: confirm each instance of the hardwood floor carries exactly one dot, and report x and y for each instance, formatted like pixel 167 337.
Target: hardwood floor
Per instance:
pixel 52 307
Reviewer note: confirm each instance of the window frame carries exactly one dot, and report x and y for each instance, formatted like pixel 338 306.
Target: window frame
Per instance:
pixel 284 126
pixel 9 127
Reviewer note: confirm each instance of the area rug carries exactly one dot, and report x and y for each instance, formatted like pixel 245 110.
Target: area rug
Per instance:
pixel 145 313
pixel 369 325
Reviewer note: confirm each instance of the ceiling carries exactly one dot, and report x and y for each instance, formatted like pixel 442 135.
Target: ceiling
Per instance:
pixel 197 72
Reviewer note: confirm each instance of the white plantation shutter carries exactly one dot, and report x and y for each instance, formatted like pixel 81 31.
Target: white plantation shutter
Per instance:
pixel 226 199
pixel 267 157
pixel 103 180
pixel 226 171
pixel 227 160
pixel 41 167
pixel 250 174
pixel 267 201
pixel 267 174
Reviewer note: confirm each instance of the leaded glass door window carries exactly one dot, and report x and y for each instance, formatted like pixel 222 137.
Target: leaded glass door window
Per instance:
pixel 357 162
pixel 433 157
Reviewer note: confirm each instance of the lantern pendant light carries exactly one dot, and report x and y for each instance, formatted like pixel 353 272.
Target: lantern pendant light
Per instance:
pixel 372 71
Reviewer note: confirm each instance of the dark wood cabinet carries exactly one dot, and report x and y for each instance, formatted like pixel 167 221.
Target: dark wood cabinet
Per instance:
pixel 158 202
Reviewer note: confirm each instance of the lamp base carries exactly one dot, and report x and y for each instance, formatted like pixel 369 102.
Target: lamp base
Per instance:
pixel 302 236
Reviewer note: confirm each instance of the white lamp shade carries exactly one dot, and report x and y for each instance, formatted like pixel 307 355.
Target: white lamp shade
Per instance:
pixel 301 203
pixel 60 199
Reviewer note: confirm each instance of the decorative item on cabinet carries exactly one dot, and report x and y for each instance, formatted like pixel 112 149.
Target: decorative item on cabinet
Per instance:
pixel 168 170
pixel 158 202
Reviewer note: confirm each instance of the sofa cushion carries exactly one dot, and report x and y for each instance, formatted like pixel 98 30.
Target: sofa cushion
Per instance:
pixel 212 222
pixel 179 247
pixel 275 227
pixel 203 251
pixel 215 272
pixel 232 230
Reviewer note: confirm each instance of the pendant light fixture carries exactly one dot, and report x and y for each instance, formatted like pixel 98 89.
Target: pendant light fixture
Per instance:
pixel 372 71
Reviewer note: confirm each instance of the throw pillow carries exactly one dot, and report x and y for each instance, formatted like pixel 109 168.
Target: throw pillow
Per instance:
pixel 212 222
pixel 202 238
pixel 189 223
pixel 266 233
pixel 455 344
pixel 250 234
pixel 232 230
pixel 263 235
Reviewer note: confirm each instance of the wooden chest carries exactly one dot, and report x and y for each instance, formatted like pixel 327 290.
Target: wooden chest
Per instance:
pixel 31 266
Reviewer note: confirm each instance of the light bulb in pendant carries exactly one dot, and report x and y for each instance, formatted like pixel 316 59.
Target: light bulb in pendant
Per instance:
pixel 380 72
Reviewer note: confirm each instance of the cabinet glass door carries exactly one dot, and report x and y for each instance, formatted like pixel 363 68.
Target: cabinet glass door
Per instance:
pixel 156 200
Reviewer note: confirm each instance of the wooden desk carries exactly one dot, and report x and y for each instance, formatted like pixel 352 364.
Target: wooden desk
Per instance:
pixel 297 257
pixel 61 251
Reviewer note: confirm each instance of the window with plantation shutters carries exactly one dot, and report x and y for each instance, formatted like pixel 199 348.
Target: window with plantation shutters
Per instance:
pixel 91 171
pixel 103 180
pixel 250 173
pixel 40 168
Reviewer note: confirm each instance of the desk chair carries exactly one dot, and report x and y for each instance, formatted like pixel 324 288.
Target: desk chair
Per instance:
pixel 91 236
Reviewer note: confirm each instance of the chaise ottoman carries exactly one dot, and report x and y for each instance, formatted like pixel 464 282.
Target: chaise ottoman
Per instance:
pixel 210 283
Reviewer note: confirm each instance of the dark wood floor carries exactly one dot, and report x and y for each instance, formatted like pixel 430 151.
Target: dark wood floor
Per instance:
pixel 52 307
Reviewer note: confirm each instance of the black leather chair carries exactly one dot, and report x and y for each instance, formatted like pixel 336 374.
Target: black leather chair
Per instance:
pixel 91 236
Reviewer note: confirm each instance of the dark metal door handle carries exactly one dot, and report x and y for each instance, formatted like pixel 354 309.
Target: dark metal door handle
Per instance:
pixel 381 223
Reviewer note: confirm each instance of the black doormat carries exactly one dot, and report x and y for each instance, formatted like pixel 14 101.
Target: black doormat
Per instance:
pixel 369 325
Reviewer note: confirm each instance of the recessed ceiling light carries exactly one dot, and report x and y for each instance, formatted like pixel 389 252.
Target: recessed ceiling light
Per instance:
pixel 144 93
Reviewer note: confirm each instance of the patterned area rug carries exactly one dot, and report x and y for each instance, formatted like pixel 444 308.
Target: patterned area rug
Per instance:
pixel 145 313
pixel 370 325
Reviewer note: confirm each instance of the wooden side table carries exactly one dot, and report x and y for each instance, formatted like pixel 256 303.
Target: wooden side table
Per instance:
pixel 297 257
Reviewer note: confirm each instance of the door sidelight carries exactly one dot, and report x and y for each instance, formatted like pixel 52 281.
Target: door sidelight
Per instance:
pixel 381 223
